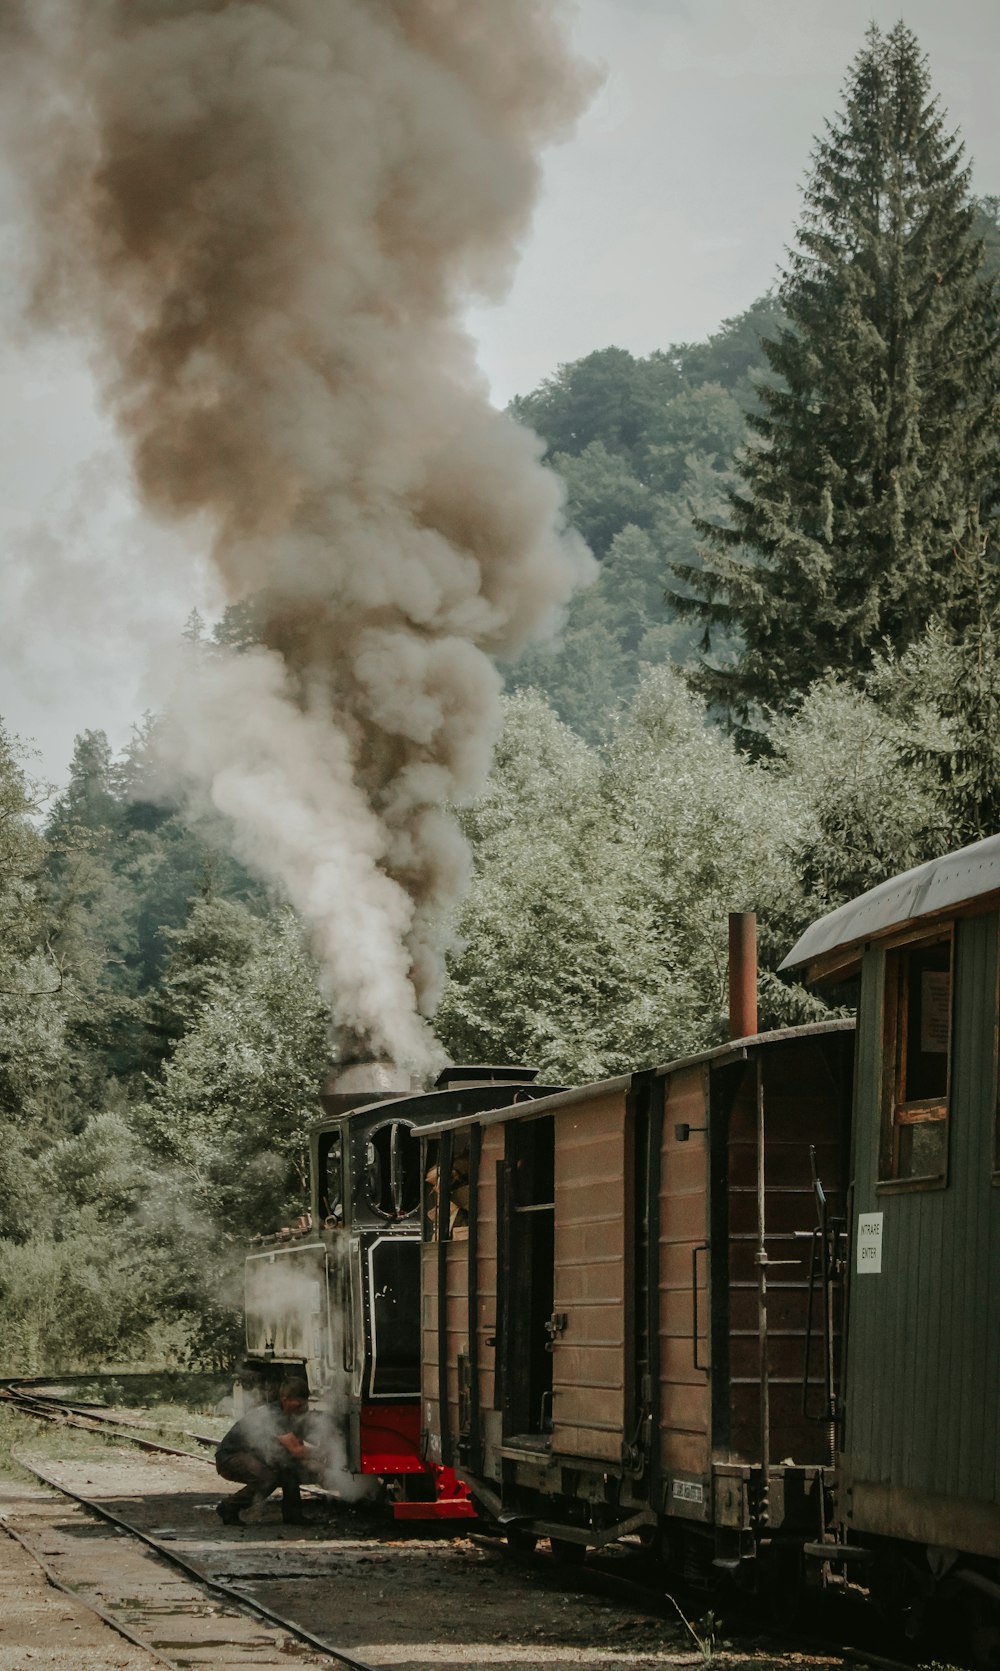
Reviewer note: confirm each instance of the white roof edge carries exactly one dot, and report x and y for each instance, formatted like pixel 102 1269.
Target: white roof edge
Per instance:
pixel 942 884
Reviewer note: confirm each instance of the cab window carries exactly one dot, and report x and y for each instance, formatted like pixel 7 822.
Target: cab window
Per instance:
pixel 917 1061
pixel 392 1170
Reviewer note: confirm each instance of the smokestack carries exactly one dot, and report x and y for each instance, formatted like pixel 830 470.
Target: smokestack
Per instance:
pixel 357 1083
pixel 742 974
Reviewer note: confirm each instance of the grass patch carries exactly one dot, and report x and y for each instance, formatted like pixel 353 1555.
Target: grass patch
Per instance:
pixel 169 1403
pixel 42 1439
pixel 197 1393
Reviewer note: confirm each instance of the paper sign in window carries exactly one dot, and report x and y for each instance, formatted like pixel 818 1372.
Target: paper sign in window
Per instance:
pixel 935 1011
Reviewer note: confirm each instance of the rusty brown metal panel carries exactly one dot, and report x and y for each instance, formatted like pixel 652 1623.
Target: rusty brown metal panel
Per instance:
pixel 588 1370
pixel 683 1415
pixel 590 1283
pixel 683 1450
pixel 684 1388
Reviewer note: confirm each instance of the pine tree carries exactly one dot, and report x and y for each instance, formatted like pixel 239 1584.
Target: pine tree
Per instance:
pixel 954 673
pixel 879 440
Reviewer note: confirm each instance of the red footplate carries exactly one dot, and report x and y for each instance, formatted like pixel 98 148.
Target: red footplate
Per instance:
pixel 390 1446
pixel 451 1503
pixel 446 1508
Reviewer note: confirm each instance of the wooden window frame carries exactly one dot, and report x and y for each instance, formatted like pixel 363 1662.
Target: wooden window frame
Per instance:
pixel 895 1112
pixel 430 1190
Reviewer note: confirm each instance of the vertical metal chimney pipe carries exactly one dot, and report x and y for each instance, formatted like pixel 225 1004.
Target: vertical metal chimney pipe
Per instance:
pixel 742 974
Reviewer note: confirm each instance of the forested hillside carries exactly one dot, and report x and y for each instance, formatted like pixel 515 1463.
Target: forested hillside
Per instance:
pixel 646 448
pixel 783 687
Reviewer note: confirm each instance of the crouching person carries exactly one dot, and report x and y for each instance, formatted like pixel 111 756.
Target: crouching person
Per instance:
pixel 266 1449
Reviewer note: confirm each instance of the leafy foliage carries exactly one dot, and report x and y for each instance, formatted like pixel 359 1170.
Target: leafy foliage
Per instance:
pixel 595 937
pixel 237 1095
pixel 31 1018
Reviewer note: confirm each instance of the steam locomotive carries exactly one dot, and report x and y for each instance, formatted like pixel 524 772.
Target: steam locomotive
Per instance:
pixel 746 1304
pixel 338 1295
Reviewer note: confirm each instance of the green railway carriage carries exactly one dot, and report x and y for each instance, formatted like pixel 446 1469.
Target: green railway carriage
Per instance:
pixel 920 1449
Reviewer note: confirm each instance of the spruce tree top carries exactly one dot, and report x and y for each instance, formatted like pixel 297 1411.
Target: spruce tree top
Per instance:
pixel 880 439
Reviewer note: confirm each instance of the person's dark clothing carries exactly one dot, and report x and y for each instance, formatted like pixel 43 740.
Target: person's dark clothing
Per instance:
pixel 251 1453
pixel 260 1431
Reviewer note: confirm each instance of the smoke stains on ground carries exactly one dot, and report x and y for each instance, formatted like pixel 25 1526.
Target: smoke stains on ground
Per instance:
pixel 265 216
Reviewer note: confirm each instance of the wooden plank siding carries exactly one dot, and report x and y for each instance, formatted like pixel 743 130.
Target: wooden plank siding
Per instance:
pixel 457 1315
pixel 430 1402
pixel 591 1229
pixel 923 1371
pixel 684 1390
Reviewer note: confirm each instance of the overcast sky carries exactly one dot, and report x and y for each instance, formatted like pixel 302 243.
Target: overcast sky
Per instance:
pixel 671 208
pixel 668 212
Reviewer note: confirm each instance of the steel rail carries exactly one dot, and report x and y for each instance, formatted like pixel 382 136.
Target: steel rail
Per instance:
pixel 91 1605
pixel 47 1408
pixel 227 1591
pixel 96 1414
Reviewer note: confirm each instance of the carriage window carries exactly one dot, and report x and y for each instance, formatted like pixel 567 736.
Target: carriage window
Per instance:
pixel 458 1188
pixel 917 1061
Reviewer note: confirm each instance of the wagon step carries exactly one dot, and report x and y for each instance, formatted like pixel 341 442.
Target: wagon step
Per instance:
pixel 838 1551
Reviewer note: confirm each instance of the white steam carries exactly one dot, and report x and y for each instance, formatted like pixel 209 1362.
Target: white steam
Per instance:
pixel 266 216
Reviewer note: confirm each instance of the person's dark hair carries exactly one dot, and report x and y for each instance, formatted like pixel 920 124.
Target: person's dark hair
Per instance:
pixel 294 1386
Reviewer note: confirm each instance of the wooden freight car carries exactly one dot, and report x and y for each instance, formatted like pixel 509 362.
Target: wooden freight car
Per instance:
pixel 616 1295
pixel 921 1439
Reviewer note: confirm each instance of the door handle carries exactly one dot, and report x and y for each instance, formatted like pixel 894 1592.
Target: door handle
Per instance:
pixel 701 1248
pixel 555 1326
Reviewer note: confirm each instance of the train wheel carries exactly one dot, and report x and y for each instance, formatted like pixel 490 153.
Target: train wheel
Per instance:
pixel 569 1553
pixel 520 1542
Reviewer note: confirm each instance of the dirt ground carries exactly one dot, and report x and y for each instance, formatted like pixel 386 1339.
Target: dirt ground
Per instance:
pixel 44 1630
pixel 395 1598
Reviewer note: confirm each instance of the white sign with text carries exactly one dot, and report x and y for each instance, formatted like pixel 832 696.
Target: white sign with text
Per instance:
pixel 869 1243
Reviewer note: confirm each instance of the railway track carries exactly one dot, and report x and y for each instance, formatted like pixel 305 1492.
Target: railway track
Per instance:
pixel 141 1629
pixel 146 1617
pixel 209 1600
pixel 47 1407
